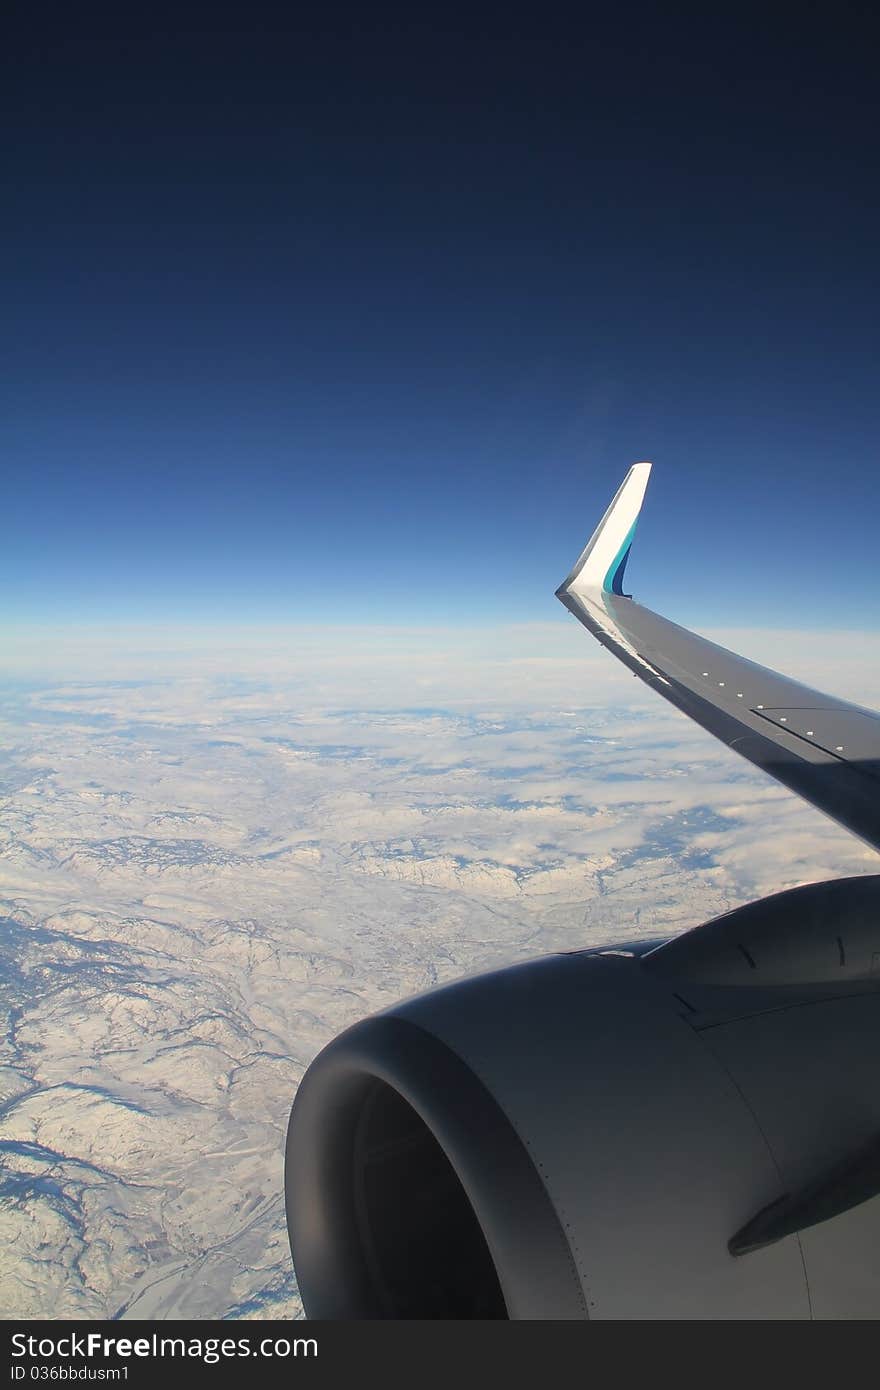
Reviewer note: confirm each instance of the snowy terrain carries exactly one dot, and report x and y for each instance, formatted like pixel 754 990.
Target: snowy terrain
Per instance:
pixel 203 880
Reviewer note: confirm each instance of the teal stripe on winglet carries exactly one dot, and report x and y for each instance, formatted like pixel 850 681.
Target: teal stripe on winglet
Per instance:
pixel 613 583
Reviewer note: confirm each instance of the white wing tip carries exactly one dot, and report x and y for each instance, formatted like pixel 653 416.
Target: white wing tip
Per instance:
pixel 601 563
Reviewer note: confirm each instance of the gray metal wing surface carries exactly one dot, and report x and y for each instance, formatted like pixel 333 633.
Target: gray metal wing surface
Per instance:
pixel 824 749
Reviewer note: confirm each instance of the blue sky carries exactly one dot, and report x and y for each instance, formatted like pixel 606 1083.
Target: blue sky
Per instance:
pixel 362 323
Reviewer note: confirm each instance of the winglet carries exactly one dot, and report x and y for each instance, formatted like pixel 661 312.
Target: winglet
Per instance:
pixel 602 562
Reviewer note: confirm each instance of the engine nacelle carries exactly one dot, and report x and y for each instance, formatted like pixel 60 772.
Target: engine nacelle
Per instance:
pixel 582 1136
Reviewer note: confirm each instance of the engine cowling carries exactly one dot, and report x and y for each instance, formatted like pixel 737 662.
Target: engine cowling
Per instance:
pixel 583 1135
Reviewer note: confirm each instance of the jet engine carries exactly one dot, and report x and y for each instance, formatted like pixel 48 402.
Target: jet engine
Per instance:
pixel 688 1129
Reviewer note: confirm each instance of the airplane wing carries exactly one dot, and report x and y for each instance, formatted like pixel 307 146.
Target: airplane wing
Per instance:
pixel 826 750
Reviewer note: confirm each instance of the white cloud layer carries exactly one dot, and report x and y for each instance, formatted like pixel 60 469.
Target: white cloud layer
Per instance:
pixel 389 666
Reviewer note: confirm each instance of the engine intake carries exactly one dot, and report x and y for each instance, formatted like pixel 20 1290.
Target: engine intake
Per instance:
pixel 583 1136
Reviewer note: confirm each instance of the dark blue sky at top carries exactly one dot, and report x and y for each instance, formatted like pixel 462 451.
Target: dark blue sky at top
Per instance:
pixel 362 317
